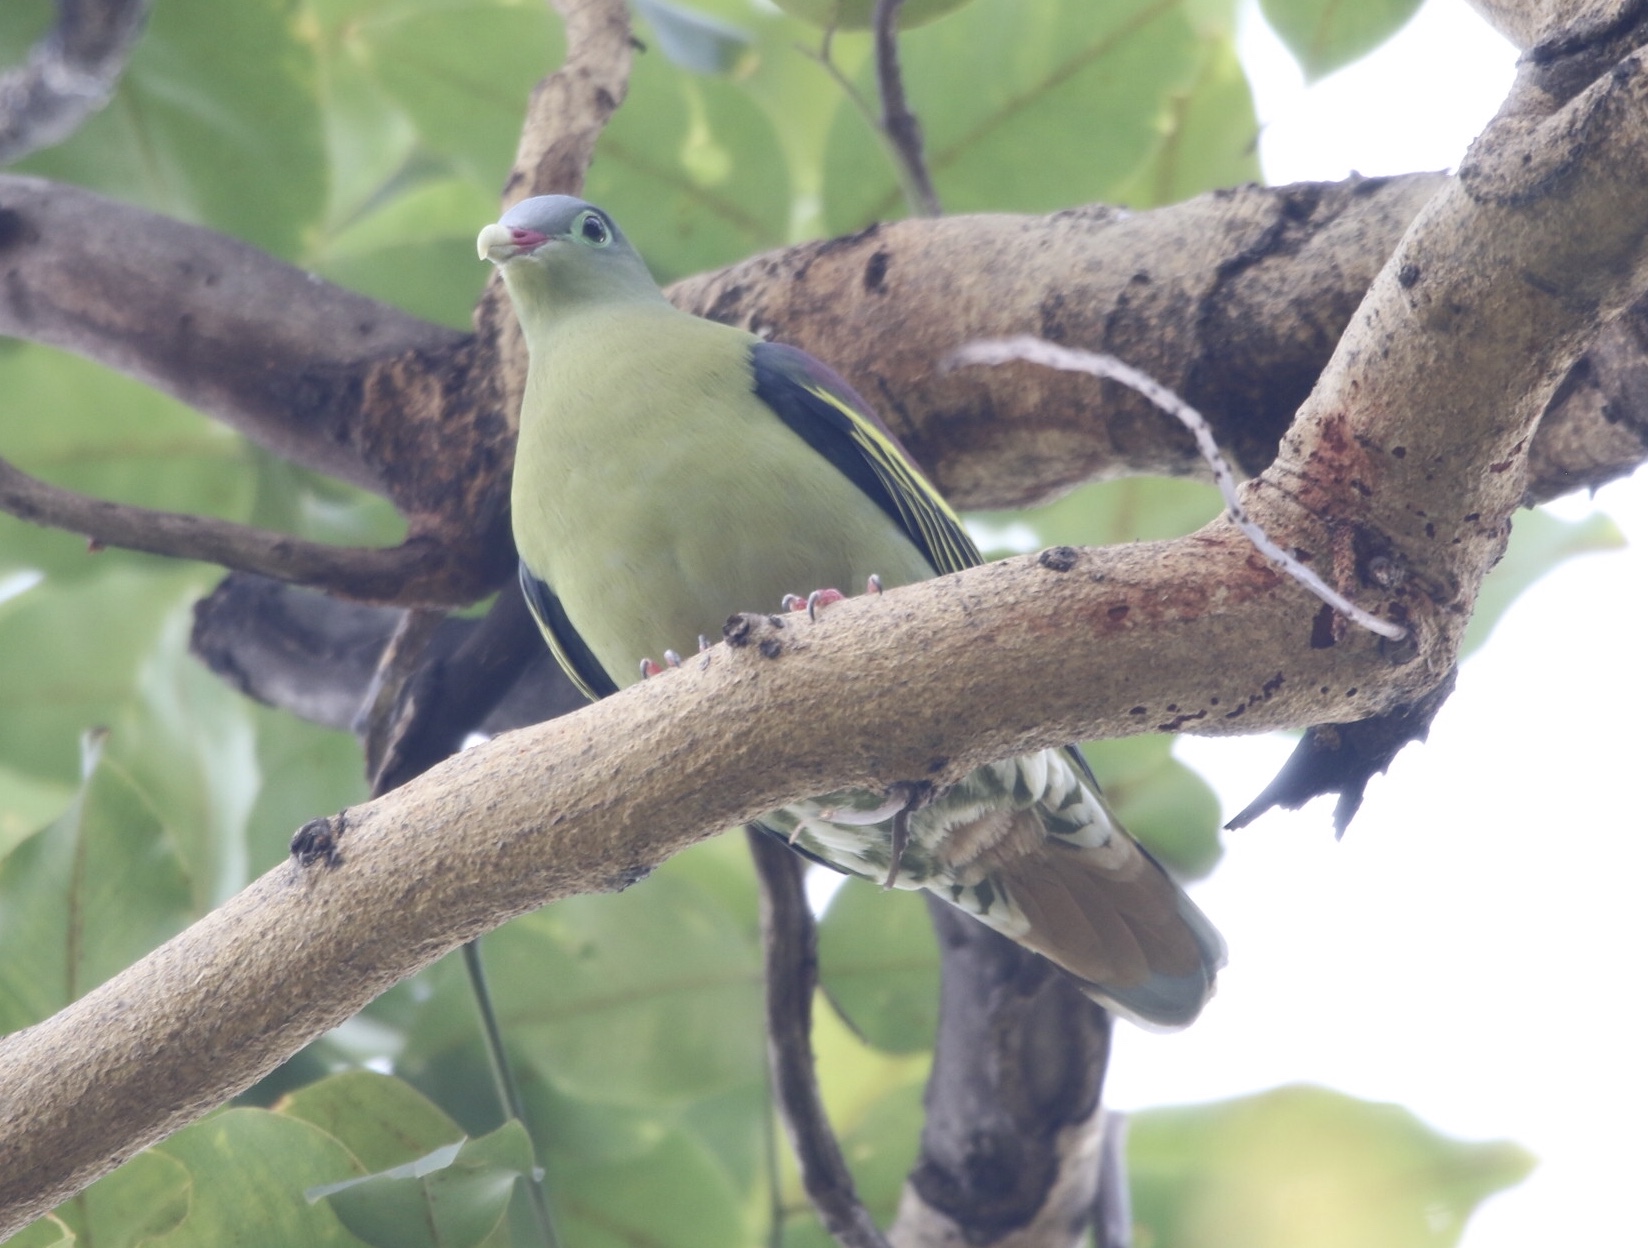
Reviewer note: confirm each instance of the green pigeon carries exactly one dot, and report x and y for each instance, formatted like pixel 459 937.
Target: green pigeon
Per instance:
pixel 672 471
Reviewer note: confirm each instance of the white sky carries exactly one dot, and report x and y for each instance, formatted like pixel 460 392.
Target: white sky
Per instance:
pixel 1469 950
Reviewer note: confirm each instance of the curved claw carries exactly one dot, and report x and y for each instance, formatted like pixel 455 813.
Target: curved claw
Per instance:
pixel 650 669
pixel 821 598
pixel 901 800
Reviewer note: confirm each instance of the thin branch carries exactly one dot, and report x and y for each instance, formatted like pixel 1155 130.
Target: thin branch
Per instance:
pixel 855 97
pixel 898 123
pixel 415 572
pixel 789 943
pixel 570 108
pixel 70 74
pixel 1050 355
pixel 508 1088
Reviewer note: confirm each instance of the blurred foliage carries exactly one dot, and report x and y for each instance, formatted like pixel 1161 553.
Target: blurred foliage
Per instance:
pixel 366 140
pixel 1326 34
pixel 1358 1174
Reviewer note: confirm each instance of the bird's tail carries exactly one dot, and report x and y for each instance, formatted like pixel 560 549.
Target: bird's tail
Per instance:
pixel 1114 920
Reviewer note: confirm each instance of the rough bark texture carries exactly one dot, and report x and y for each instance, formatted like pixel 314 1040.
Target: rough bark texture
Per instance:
pixel 1014 1129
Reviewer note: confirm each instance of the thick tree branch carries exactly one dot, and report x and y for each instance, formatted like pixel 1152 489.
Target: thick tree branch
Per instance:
pixel 504 827
pixel 1411 451
pixel 1234 299
pixel 70 74
pixel 266 348
pixel 1100 644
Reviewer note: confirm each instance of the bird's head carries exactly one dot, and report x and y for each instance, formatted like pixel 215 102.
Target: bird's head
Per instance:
pixel 558 253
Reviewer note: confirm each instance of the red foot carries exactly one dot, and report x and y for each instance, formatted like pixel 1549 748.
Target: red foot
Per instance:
pixel 813 602
pixel 650 669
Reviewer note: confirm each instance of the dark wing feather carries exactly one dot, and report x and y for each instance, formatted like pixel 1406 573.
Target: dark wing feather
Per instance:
pixel 814 401
pixel 569 649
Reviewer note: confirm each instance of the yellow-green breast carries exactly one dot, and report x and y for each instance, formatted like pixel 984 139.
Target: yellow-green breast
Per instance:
pixel 657 495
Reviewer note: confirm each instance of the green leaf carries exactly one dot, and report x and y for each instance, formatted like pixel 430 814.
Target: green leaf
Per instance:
pixel 722 869
pixel 187 742
pixel 147 1196
pixel 85 428
pixel 1326 34
pixel 694 40
pixel 382 1120
pixel 27 804
pixel 453 1197
pixel 1025 108
pixel 1169 807
pixel 416 249
pixel 1539 542
pixel 86 896
pixel 736 1127
pixel 1106 513
pixel 675 1196
pixel 49 1232
pixel 650 998
pixel 882 1146
pixel 857 14
pixel 1212 137
pixel 461 73
pixel 782 75
pixel 248 1170
pixel 878 963
pixel 215 121
pixel 1300 1166
pixel 693 169
pixel 304 770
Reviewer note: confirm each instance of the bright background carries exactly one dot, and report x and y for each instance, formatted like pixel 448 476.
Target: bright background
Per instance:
pixel 1470 950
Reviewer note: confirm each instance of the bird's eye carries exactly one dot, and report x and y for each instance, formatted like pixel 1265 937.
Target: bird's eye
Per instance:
pixel 593 230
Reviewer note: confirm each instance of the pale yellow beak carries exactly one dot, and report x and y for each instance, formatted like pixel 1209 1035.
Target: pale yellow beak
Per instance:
pixel 496 243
